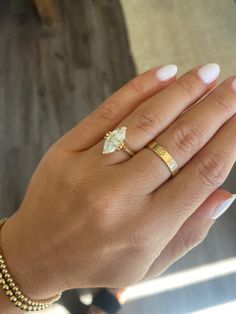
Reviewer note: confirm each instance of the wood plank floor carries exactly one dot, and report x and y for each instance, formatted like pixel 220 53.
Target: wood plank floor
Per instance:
pixel 50 80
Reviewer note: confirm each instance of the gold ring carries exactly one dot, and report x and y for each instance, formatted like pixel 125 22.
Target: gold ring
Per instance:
pixel 165 156
pixel 115 141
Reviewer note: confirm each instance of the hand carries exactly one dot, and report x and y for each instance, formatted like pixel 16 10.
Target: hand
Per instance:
pixel 91 220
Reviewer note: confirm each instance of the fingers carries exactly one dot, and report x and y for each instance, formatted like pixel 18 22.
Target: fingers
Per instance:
pixel 182 195
pixel 186 136
pixel 158 112
pixel 94 127
pixel 192 233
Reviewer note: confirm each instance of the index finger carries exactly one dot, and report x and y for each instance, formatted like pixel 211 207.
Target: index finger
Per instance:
pixel 115 108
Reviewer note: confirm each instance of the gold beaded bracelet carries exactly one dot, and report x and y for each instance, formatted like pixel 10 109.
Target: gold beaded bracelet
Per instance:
pixel 13 292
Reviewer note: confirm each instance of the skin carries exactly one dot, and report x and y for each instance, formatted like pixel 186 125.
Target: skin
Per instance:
pixel 88 218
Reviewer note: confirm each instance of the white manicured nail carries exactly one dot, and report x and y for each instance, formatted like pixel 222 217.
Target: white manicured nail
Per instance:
pixel 234 84
pixel 209 72
pixel 166 72
pixel 222 207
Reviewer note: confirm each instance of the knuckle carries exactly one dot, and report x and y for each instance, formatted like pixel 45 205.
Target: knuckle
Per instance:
pixel 147 121
pixel 223 103
pixel 192 239
pixel 108 111
pixel 187 135
pixel 213 169
pixel 186 87
pixel 136 85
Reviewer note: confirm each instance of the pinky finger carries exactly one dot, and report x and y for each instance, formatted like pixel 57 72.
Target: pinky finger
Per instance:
pixel 192 232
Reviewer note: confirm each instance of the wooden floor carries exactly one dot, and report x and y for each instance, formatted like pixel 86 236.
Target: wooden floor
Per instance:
pixel 50 80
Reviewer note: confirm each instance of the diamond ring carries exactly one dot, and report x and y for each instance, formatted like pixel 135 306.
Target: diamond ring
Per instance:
pixel 115 141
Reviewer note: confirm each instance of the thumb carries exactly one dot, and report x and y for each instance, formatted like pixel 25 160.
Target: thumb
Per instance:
pixel 193 231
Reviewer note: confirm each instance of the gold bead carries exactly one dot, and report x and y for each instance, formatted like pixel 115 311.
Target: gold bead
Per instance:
pixel 23 307
pixel 9 292
pixel 13 292
pixel 18 303
pixel 17 293
pixel 11 285
pixel 13 298
pixel 5 287
pixel 21 297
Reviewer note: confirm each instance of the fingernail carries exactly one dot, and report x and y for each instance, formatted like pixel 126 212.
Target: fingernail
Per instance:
pixel 166 72
pixel 222 207
pixel 234 84
pixel 209 72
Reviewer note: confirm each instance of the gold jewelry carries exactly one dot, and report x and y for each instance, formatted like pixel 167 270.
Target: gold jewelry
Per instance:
pixel 13 292
pixel 165 156
pixel 115 140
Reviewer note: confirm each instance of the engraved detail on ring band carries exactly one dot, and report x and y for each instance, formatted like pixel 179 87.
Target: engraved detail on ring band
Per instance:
pixel 165 156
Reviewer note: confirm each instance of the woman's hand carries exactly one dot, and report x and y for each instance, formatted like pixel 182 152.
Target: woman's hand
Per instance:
pixel 90 219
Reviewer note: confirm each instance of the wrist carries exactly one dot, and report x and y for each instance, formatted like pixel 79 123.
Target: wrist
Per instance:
pixel 6 306
pixel 26 260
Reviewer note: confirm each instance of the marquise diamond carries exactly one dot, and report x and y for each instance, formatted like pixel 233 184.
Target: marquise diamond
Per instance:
pixel 114 140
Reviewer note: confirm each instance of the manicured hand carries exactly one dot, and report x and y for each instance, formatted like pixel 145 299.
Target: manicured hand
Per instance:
pixel 90 219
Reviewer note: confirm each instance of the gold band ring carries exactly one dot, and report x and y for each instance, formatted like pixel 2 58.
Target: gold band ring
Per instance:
pixel 115 140
pixel 165 156
pixel 128 150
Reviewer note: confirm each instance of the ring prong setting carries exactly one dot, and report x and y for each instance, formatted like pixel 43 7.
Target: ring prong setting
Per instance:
pixel 114 140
